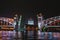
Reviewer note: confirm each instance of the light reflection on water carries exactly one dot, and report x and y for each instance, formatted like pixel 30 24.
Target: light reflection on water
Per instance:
pixel 11 35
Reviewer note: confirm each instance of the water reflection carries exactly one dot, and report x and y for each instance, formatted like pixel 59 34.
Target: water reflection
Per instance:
pixel 29 35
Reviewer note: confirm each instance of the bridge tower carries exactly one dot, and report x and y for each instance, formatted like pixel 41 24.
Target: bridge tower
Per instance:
pixel 40 20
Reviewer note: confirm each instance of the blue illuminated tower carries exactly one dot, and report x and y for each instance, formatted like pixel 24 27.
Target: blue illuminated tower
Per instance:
pixel 21 23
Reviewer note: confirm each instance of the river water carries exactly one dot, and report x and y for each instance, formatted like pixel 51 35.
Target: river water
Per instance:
pixel 29 35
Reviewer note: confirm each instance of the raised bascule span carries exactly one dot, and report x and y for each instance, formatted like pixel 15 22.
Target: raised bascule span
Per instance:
pixel 6 23
pixel 52 23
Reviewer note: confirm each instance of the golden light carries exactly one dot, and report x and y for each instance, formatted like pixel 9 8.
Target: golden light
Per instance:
pixel 5 25
pixel 33 28
pixel 36 28
pixel 5 28
pixel 11 28
pixel 11 20
pixel 28 28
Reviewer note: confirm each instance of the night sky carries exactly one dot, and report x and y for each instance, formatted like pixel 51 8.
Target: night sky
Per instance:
pixel 29 8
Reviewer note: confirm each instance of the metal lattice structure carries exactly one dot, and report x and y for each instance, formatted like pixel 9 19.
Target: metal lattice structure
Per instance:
pixel 53 21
